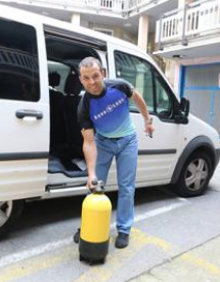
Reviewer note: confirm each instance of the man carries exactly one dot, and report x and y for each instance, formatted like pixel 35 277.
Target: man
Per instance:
pixel 108 132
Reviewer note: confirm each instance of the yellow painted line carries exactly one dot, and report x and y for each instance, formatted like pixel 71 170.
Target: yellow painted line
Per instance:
pixel 118 258
pixel 204 264
pixel 140 236
pixel 36 264
pixel 139 239
pixel 99 273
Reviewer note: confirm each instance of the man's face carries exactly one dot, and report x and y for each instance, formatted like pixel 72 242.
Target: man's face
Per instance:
pixel 92 79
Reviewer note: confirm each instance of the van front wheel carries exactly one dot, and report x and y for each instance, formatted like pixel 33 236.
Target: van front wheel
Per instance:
pixel 195 175
pixel 9 212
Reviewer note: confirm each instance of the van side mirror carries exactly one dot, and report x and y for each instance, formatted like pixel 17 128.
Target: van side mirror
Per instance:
pixel 184 106
pixel 182 113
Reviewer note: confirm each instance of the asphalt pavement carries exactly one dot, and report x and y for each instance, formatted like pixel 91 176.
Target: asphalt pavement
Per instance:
pixel 173 240
pixel 199 264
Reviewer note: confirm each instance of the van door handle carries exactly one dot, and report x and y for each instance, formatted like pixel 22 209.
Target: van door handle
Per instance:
pixel 29 113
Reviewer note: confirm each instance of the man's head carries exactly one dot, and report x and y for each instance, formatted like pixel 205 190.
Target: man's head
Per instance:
pixel 91 75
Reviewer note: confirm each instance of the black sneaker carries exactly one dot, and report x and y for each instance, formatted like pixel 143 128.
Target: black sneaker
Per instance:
pixel 76 236
pixel 122 240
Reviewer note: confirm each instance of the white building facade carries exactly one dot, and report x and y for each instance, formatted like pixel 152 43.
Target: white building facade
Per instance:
pixel 191 36
pixel 130 20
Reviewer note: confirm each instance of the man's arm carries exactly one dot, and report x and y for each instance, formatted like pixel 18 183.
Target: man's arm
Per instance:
pixel 140 103
pixel 90 152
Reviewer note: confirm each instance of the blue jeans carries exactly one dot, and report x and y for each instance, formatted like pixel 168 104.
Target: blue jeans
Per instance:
pixel 125 150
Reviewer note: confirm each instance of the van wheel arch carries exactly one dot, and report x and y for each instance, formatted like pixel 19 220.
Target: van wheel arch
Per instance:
pixel 10 210
pixel 200 148
pixel 200 143
pixel 195 175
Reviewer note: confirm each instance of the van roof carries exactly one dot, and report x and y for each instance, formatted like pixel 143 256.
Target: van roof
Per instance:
pixel 33 17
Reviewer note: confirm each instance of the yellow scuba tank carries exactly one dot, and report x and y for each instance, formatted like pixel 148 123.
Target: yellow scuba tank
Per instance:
pixel 95 225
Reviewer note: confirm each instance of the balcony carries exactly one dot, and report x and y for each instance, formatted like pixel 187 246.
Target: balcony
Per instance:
pixel 191 32
pixel 112 8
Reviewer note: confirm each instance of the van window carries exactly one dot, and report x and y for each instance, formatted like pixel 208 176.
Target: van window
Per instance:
pixel 163 106
pixel 149 83
pixel 138 73
pixel 19 72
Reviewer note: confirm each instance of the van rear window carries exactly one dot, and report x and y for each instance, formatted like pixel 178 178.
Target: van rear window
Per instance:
pixel 19 70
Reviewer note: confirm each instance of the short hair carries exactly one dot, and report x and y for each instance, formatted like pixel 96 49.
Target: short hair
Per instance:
pixel 89 62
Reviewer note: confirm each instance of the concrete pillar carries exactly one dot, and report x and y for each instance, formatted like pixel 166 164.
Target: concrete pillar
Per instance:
pixel 143 32
pixel 75 19
pixel 176 82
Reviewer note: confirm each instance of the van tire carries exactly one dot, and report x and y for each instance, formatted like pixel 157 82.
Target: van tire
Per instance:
pixel 11 210
pixel 197 171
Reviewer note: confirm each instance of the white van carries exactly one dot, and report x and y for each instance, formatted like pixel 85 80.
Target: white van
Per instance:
pixel 41 144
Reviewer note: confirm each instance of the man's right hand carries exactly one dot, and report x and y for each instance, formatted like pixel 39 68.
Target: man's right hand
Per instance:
pixel 91 182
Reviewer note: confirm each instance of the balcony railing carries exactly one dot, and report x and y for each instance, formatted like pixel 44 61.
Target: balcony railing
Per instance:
pixel 114 7
pixel 111 5
pixel 13 58
pixel 196 19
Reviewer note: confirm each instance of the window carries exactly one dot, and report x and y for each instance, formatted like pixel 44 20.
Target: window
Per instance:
pixel 138 73
pixel 163 101
pixel 62 70
pixel 19 72
pixel 147 81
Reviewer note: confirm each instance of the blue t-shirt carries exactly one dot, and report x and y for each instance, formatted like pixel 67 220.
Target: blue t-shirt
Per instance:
pixel 108 113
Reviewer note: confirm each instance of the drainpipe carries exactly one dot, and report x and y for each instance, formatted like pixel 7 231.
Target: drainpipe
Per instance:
pixel 184 40
pixel 160 46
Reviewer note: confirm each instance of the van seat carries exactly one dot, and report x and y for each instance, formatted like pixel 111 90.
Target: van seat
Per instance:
pixel 73 88
pixel 57 120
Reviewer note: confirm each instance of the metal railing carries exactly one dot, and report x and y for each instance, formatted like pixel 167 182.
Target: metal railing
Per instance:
pixel 108 5
pixel 115 7
pixel 198 18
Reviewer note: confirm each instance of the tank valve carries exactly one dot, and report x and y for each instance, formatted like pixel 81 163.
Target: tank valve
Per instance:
pixel 98 186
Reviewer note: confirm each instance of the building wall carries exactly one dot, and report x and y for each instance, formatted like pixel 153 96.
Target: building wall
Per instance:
pixel 117 31
pixel 201 85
